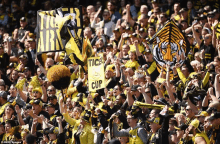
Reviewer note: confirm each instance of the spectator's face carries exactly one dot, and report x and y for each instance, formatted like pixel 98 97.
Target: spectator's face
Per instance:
pixel 210 19
pixel 123 3
pixel 117 34
pixel 52 136
pixel 14 75
pixel 2 129
pixel 36 94
pixel 137 2
pixel 148 57
pixel 201 119
pixel 119 100
pixel 136 93
pixel 176 7
pixel 116 91
pixel 207 39
pixel 68 103
pixel 23 23
pixel 31 44
pixel 189 5
pixel 163 18
pixel 48 63
pixel 50 91
pixel 38 71
pixel 179 133
pixel 36 109
pixel 13 91
pixel 87 33
pixel 76 113
pixel 108 74
pixel 132 56
pixel 143 21
pixel 144 10
pixel 27 73
pixel 189 112
pixel 7 127
pixel 125 49
pixel 184 25
pixel 110 7
pixel 204 32
pixel 153 126
pixel 9 111
pixel 106 16
pixel 152 114
pixel 45 138
pixel 90 9
pixel 185 71
pixel 131 121
pixel 50 110
pixel 151 32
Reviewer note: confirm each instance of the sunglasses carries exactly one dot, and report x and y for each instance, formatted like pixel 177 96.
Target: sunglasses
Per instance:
pixel 36 92
pixel 188 109
pixel 50 90
pixel 50 99
pixel 115 88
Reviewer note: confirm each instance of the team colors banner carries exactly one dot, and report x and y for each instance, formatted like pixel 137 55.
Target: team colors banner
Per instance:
pixel 166 43
pixel 218 31
pixel 96 75
pixel 60 30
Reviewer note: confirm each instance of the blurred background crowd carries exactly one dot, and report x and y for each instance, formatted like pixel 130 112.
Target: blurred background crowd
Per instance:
pixel 141 102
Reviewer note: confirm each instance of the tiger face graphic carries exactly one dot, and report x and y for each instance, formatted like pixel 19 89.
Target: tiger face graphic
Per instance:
pixel 165 52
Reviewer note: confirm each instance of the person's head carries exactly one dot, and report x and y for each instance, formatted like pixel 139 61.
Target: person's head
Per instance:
pixel 143 20
pixel 2 128
pixel 148 56
pixel 132 120
pixel 13 90
pixel 189 112
pixel 111 6
pixel 9 124
pixel 210 17
pixel 52 99
pixel 88 32
pixel 193 127
pixel 154 113
pixel 116 90
pixel 23 22
pixel 69 103
pixel 116 33
pixel 183 13
pixel 144 9
pixel 180 130
pixel 49 62
pixel 189 5
pixel 154 3
pixel 39 71
pixel 125 49
pixel 130 71
pixel 185 71
pixel 76 112
pixel 120 99
pixel 31 43
pixel 163 17
pixel 151 31
pixel 30 139
pixel 3 97
pixel 36 106
pixel 9 110
pixel 172 124
pixel 27 72
pixel 90 9
pixel 137 3
pixel 109 72
pixel 208 39
pixel 134 90
pixel 184 25
pixel 214 119
pixel 176 7
pixel 23 59
pixel 204 32
pixel 132 55
pixel 106 15
pixel 154 124
pixel 37 92
pixel 14 75
pixel 85 118
pixel 50 108
pixel 201 116
pixel 51 90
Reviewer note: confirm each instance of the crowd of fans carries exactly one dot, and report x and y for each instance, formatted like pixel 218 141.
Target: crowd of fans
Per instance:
pixel 141 103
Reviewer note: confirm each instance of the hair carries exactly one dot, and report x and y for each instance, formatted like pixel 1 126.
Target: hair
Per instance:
pixel 10 77
pixel 30 139
pixel 153 27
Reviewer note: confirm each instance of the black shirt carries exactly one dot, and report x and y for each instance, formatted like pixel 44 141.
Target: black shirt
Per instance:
pixel 209 52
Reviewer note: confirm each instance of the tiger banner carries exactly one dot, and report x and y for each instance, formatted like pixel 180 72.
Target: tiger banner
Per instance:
pixel 96 75
pixel 168 42
pixel 218 30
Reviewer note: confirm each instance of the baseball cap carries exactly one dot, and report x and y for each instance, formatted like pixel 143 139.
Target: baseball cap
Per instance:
pixel 181 127
pixel 37 101
pixel 54 130
pixel 23 19
pixel 203 113
pixel 162 101
pixel 50 105
pixel 154 120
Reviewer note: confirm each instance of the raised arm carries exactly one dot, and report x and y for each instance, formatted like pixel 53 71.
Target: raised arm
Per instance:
pixel 129 96
pixel 196 35
pixel 217 86
pixel 19 117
